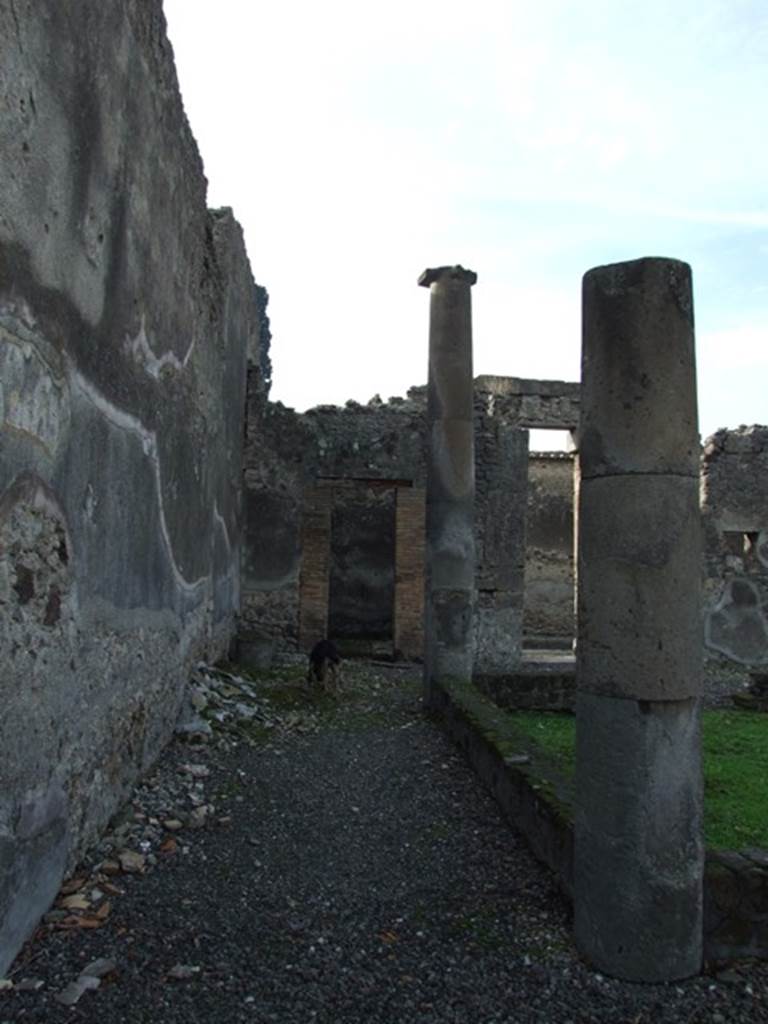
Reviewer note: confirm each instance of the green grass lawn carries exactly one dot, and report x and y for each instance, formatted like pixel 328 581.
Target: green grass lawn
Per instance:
pixel 735 751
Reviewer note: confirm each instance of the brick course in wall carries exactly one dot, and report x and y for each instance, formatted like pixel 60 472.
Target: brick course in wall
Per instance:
pixel 410 513
pixel 316 566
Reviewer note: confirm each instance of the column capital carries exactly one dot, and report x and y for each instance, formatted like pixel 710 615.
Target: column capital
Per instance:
pixel 457 273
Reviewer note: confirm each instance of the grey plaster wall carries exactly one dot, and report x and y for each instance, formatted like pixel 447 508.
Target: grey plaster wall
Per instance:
pixel 734 503
pixel 126 310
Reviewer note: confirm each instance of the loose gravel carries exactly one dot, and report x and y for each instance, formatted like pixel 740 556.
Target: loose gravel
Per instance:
pixel 328 860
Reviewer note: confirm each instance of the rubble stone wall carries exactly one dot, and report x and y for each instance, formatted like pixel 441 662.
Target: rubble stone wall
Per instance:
pixel 287 454
pixel 277 443
pixel 385 443
pixel 544 404
pixel 734 502
pixel 126 311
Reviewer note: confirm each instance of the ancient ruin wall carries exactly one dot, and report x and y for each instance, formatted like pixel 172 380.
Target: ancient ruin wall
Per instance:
pixel 126 309
pixel 291 461
pixel 734 502
pixel 545 404
pixel 276 444
pixel 289 454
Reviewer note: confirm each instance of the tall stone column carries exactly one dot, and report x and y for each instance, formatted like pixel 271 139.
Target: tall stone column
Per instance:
pixel 638 843
pixel 501 483
pixel 450 540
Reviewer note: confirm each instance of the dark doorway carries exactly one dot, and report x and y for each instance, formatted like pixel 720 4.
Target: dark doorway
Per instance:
pixel 362 569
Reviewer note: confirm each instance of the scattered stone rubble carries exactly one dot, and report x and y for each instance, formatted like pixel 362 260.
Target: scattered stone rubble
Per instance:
pixel 160 817
pixel 222 704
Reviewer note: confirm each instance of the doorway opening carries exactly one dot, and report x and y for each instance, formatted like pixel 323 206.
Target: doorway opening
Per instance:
pixel 549 576
pixel 361 580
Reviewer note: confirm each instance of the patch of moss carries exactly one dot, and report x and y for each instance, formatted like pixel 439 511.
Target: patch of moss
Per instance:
pixel 544 770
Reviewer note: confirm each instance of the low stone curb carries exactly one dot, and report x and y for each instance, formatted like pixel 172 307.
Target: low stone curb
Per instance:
pixel 538 800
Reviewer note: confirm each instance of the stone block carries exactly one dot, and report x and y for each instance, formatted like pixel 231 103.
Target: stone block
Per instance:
pixel 639 410
pixel 640 632
pixel 638 846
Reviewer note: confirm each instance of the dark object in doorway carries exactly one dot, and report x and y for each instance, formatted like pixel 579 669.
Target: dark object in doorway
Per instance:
pixel 324 665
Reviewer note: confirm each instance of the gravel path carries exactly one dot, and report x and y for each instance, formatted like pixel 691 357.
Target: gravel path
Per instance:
pixel 345 866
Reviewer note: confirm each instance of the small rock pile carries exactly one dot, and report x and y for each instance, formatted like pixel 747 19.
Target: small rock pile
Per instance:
pixel 223 706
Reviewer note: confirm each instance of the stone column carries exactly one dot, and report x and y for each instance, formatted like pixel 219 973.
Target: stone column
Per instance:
pixel 501 483
pixel 450 540
pixel 638 843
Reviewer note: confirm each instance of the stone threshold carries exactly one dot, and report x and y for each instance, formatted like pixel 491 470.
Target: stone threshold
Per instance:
pixel 536 798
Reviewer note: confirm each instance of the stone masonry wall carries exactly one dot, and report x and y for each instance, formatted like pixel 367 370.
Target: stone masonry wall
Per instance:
pixel 287 452
pixel 276 444
pixel 126 310
pixel 546 404
pixel 286 455
pixel 734 502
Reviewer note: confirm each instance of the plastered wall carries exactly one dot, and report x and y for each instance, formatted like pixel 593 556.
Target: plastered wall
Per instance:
pixel 127 310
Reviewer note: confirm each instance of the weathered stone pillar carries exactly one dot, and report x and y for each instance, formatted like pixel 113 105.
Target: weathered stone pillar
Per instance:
pixel 450 541
pixel 501 483
pixel 639 852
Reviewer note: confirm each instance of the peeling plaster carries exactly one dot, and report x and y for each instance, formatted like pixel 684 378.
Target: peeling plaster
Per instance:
pixel 143 354
pixel 34 399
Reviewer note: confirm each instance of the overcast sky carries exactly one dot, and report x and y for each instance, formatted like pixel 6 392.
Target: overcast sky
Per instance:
pixel 361 142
